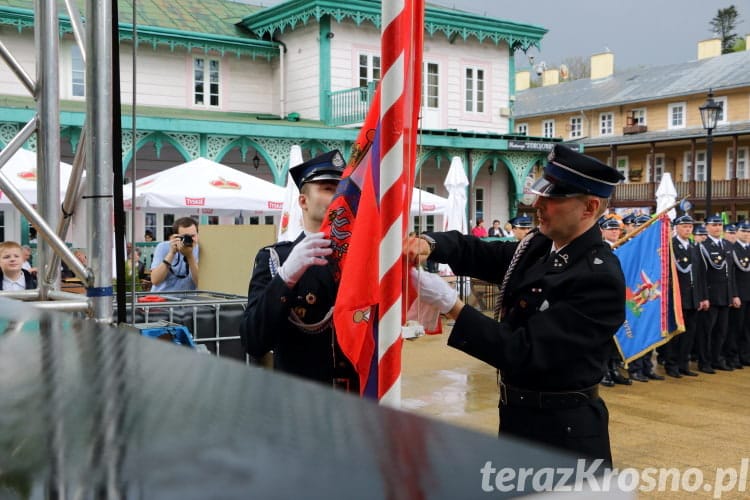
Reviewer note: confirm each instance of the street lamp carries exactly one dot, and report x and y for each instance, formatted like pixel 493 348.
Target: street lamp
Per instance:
pixel 709 116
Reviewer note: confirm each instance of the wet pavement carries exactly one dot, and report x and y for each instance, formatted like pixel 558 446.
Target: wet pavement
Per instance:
pixel 442 382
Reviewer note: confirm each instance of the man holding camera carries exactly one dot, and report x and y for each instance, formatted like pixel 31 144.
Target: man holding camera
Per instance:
pixel 175 261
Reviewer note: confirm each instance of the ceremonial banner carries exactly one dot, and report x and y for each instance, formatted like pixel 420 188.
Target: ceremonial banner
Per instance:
pixel 653 313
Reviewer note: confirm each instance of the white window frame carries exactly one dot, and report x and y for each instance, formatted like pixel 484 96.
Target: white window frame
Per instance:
pixel 724 103
pixel 639 116
pixel 479 202
pixel 431 101
pixel 743 170
pixel 673 109
pixel 76 59
pixel 372 68
pixel 576 127
pixel 548 128
pixel 658 172
pixel 424 222
pixel 207 91
pixel 475 90
pixel 606 123
pixel 522 128
pixel 698 172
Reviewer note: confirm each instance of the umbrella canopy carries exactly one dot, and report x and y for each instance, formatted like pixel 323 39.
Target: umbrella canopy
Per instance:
pixel 456 183
pixel 205 185
pixel 291 214
pixel 426 203
pixel 666 195
pixel 21 171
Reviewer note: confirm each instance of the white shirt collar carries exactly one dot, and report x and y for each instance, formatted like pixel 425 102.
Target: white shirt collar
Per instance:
pixel 10 285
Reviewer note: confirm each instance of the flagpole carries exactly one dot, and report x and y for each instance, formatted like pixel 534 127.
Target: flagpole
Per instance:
pixel 645 226
pixel 391 175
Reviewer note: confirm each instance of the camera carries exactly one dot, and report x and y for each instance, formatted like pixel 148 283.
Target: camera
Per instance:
pixel 186 240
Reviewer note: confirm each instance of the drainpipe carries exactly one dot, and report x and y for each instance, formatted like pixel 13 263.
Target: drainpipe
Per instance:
pixel 282 79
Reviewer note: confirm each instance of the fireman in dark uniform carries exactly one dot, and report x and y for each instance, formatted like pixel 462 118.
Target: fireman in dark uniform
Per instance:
pixel 562 298
pixel 717 259
pixel 292 290
pixel 736 347
pixel 691 276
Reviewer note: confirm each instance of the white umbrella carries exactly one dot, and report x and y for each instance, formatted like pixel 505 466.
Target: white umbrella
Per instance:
pixel 666 195
pixel 426 203
pixel 456 183
pixel 291 213
pixel 21 171
pixel 206 187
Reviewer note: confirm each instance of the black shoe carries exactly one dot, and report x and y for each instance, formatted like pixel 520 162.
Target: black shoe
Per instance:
pixel 706 369
pixel 617 378
pixel 688 373
pixel 674 373
pixel 654 376
pixel 722 366
pixel 745 362
pixel 606 381
pixel 638 377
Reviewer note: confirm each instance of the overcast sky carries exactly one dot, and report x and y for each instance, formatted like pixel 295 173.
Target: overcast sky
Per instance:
pixel 638 32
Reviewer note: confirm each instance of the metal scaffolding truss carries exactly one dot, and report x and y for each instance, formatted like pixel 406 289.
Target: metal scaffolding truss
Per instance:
pixel 94 153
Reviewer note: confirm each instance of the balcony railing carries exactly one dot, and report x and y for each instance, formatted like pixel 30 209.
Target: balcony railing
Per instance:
pixel 349 106
pixel 634 129
pixel 720 190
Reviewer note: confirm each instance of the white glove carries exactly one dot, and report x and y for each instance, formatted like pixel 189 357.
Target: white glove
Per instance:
pixel 311 251
pixel 434 290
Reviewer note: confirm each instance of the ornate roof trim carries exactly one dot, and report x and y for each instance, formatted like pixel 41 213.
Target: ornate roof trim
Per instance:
pixel 150 35
pixel 451 23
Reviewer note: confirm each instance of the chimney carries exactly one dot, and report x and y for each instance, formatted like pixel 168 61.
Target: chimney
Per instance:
pixel 550 77
pixel 602 65
pixel 709 48
pixel 523 80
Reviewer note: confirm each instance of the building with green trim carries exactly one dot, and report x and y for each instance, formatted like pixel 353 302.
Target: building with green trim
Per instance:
pixel 240 84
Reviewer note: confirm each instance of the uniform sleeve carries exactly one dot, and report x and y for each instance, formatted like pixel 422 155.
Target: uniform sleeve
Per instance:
pixel 576 328
pixel 470 256
pixel 700 287
pixel 267 310
pixel 732 276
